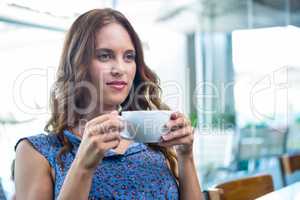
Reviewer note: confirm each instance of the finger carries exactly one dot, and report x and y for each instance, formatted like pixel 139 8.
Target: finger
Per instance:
pixel 106 127
pixel 111 125
pixel 99 139
pixel 171 143
pixel 176 115
pixel 111 136
pixel 186 140
pixel 178 123
pixel 111 144
pixel 187 130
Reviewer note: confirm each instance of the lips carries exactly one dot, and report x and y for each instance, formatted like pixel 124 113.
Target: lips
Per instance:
pixel 118 85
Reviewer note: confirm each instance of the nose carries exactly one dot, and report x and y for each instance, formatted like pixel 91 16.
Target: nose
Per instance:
pixel 118 68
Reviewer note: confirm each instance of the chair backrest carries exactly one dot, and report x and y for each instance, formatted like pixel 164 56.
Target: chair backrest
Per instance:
pixel 242 189
pixel 289 164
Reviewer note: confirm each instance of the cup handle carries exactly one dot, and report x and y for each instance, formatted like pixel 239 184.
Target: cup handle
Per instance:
pixel 125 134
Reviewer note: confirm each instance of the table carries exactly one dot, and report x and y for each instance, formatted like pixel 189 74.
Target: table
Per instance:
pixel 290 192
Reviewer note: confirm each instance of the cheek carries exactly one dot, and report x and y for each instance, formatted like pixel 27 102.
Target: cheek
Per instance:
pixel 98 71
pixel 132 72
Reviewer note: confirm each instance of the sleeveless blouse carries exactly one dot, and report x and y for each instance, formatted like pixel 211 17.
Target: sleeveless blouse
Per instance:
pixel 139 173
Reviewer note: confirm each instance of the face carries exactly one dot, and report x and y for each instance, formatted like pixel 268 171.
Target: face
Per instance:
pixel 113 68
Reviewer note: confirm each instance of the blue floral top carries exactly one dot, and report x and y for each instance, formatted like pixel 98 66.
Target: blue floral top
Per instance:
pixel 139 173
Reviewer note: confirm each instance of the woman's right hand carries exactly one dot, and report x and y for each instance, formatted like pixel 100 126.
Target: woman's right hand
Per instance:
pixel 99 135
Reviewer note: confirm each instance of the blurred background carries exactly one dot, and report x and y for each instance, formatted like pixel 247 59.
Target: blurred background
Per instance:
pixel 232 66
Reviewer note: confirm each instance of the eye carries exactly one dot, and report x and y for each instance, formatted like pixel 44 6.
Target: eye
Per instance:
pixel 104 57
pixel 129 57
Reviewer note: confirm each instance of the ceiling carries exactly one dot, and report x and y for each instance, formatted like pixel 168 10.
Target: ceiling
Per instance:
pixel 58 15
pixel 183 16
pixel 229 15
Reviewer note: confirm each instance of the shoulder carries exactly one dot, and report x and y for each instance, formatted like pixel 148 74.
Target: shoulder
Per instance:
pixel 41 139
pixel 32 170
pixel 43 144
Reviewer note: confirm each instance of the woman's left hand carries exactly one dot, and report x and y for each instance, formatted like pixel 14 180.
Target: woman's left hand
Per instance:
pixel 180 133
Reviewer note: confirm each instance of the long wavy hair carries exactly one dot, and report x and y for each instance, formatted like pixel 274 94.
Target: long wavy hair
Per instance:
pixel 78 51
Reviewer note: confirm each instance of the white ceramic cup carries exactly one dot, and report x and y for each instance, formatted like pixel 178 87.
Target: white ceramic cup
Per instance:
pixel 145 126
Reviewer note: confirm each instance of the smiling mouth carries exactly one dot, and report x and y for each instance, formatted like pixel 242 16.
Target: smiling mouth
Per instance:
pixel 118 85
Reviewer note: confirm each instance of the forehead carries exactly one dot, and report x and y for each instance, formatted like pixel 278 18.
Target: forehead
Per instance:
pixel 113 36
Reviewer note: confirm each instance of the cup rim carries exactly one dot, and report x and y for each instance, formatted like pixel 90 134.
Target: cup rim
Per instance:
pixel 148 111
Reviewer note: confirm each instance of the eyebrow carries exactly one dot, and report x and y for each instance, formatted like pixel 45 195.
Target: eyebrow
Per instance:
pixel 103 49
pixel 111 51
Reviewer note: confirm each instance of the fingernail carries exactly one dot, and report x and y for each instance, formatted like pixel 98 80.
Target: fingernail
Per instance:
pixel 173 115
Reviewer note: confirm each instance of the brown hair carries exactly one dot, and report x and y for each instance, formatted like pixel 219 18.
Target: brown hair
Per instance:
pixel 76 56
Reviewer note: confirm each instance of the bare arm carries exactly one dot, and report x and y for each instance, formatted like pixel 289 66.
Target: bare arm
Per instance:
pixel 34 181
pixel 181 134
pixel 77 183
pixel 189 187
pixel 94 144
pixel 32 174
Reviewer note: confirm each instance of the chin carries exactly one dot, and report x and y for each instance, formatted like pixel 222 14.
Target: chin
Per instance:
pixel 115 100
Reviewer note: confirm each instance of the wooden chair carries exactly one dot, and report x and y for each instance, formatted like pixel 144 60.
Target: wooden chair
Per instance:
pixel 242 189
pixel 289 164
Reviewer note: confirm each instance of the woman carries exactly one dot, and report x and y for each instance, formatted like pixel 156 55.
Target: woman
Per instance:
pixel 83 157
